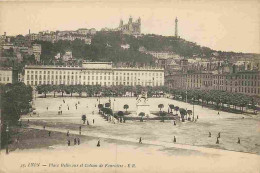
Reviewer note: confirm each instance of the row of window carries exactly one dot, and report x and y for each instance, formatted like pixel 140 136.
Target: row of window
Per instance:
pixel 95 72
pixel 4 79
pixel 93 83
pixel 241 90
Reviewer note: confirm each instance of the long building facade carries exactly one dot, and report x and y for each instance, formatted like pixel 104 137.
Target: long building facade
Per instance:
pixel 93 73
pixel 245 82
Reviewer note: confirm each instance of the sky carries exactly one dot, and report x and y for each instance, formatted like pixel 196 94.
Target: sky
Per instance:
pixel 226 25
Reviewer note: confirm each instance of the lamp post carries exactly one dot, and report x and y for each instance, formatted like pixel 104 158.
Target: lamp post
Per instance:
pixel 186 87
pixel 193 109
pixel 7 133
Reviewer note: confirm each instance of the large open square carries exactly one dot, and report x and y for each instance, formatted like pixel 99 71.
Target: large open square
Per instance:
pixel 119 142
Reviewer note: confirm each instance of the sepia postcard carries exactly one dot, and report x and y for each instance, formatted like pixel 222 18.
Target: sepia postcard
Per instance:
pixel 130 86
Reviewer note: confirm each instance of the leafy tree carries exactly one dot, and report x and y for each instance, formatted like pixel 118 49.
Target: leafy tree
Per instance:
pixel 171 107
pixel 176 108
pixel 189 112
pixel 163 114
pixel 83 117
pixel 62 88
pixel 183 112
pixel 121 115
pixel 141 114
pixel 15 100
pixel 126 107
pixel 160 106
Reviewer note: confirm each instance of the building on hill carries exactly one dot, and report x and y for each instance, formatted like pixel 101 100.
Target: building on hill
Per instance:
pixel 131 28
pixel 37 50
pixel 93 73
pixel 8 75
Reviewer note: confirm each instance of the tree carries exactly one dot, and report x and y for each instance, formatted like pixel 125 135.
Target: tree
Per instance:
pixel 176 108
pixel 62 89
pixel 141 114
pixel 44 89
pixel 183 112
pixel 189 112
pixel 160 106
pixel 83 117
pixel 100 106
pixel 163 114
pixel 15 100
pixel 70 89
pixel 55 89
pixel 121 115
pixel 79 89
pixel 126 107
pixel 171 107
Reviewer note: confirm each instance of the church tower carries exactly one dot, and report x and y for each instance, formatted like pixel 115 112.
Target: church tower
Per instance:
pixel 121 23
pixel 176 27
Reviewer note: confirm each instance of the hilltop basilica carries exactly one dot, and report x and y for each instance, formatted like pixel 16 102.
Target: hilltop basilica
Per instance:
pixel 131 28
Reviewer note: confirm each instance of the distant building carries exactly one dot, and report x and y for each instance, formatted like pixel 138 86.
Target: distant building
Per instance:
pixel 244 82
pixel 125 46
pixel 67 56
pixel 93 73
pixel 131 28
pixel 85 31
pixel 88 41
pixel 8 75
pixel 37 50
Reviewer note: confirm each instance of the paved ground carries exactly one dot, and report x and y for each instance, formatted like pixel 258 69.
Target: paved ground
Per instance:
pixel 231 126
pixel 194 151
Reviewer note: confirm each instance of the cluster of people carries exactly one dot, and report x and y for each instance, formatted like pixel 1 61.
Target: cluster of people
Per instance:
pixel 218 137
pixel 76 141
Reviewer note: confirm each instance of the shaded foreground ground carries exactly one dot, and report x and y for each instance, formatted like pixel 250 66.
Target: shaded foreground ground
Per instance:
pixel 118 156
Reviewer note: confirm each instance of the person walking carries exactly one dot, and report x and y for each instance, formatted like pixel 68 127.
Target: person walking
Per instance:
pixel 217 142
pixel 93 121
pixel 174 123
pixel 174 139
pixel 87 122
pixel 78 141
pixel 44 127
pixel 238 140
pixel 209 134
pixel 218 113
pixel 49 133
pixel 68 142
pixel 68 133
pixel 75 141
pixel 218 134
pixel 140 140
pixel 197 117
pixel 98 144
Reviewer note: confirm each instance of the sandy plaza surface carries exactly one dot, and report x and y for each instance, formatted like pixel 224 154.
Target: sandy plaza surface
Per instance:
pixel 120 151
